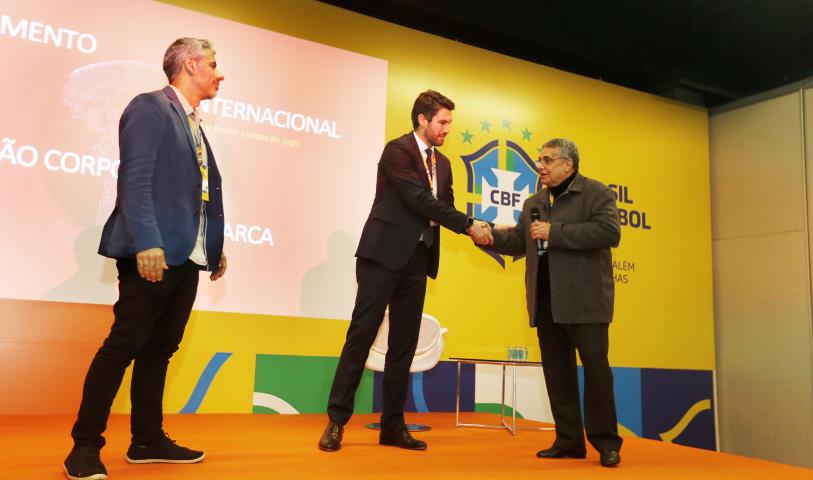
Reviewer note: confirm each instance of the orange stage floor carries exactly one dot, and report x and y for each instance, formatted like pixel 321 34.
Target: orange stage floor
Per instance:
pixel 284 447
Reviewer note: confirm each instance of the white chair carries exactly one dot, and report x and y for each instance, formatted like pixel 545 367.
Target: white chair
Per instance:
pixel 427 355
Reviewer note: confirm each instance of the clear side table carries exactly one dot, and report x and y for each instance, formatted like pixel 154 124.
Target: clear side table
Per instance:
pixel 512 427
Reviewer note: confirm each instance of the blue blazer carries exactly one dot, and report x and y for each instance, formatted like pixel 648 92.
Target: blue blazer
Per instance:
pixel 159 185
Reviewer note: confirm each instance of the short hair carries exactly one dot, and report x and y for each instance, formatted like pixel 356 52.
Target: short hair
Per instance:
pixel 567 149
pixel 180 50
pixel 428 103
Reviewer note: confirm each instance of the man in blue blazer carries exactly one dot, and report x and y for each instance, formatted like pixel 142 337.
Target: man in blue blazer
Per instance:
pixel 167 225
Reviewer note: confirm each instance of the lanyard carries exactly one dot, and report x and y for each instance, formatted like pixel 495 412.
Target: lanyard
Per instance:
pixel 202 163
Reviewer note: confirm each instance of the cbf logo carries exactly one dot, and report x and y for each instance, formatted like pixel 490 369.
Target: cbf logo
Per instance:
pixel 501 175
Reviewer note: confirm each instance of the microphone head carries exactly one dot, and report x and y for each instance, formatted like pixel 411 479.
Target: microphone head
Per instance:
pixel 535 214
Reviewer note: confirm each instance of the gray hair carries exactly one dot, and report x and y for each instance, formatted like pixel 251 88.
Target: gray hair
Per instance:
pixel 567 149
pixel 180 50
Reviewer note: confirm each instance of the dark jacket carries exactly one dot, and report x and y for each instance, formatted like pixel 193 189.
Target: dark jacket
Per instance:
pixel 584 226
pixel 403 206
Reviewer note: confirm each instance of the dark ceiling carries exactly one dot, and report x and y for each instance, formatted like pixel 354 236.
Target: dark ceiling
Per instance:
pixel 705 52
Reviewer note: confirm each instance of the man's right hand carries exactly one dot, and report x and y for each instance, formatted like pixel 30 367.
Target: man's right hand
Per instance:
pixel 480 233
pixel 151 264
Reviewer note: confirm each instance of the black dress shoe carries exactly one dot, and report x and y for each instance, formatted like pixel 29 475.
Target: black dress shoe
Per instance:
pixel 610 458
pixel 554 452
pixel 400 437
pixel 332 437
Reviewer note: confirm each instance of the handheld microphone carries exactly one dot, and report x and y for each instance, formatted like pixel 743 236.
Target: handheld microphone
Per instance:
pixel 540 248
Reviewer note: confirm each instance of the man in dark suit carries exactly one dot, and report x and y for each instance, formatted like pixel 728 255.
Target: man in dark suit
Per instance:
pixel 167 225
pixel 399 248
pixel 570 295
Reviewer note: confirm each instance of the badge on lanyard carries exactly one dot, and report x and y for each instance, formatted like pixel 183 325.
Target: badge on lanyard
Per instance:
pixel 204 167
pixel 204 175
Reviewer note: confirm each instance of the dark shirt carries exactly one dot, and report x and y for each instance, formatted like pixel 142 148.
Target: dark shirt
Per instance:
pixel 543 274
pixel 562 187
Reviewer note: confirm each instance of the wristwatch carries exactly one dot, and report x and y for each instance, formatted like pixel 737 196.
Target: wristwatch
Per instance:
pixel 469 223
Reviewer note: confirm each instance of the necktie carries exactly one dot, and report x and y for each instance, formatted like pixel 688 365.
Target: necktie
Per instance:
pixel 429 165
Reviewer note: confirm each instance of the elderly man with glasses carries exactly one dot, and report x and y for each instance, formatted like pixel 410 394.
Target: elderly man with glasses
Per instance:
pixel 566 231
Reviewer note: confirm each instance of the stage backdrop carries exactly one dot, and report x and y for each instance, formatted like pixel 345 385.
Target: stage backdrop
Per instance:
pixel 266 339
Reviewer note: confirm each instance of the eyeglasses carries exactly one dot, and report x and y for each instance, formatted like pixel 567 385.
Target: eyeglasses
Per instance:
pixel 548 161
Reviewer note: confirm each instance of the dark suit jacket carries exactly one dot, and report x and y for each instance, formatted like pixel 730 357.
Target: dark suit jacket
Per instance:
pixel 159 185
pixel 404 204
pixel 584 225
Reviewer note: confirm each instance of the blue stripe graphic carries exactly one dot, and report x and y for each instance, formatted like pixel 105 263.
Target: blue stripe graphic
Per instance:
pixel 205 381
pixel 417 392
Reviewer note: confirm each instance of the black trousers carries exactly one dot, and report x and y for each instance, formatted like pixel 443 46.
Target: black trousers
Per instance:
pixel 559 343
pixel 148 327
pixel 404 291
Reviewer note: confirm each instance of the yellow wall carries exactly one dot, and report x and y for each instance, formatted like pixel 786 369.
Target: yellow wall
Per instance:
pixel 656 147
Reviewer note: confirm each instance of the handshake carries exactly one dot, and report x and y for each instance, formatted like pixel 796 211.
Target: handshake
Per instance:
pixel 480 233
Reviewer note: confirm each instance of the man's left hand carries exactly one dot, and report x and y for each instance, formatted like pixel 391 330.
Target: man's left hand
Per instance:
pixel 221 268
pixel 540 230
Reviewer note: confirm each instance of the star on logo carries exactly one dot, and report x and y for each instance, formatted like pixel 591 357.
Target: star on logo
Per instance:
pixel 501 176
